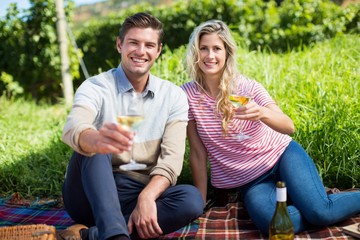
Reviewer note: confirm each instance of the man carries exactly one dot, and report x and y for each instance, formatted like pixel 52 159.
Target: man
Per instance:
pixel 113 203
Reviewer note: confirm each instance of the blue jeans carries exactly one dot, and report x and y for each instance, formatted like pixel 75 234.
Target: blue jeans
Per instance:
pixel 309 204
pixel 102 200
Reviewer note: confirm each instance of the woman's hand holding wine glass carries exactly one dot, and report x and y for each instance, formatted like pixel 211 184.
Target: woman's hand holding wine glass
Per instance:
pixel 239 96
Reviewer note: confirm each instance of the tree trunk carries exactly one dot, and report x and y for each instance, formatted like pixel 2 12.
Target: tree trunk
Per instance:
pixel 68 89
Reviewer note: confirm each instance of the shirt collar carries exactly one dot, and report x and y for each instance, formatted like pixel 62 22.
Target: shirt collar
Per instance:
pixel 124 85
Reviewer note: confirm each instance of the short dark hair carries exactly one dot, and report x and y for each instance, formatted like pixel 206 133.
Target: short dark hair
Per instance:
pixel 141 20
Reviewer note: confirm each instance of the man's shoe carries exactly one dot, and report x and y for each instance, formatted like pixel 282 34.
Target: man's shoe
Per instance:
pixel 70 233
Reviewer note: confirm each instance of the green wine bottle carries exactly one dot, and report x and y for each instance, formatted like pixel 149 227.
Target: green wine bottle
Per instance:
pixel 281 226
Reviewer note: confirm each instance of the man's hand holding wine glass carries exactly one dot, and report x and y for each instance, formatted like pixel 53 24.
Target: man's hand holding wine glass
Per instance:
pixel 110 138
pixel 115 138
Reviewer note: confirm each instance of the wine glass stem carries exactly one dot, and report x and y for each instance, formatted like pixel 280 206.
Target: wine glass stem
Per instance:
pixel 132 151
pixel 241 128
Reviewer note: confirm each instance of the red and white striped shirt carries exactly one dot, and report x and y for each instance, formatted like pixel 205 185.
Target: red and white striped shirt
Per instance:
pixel 233 162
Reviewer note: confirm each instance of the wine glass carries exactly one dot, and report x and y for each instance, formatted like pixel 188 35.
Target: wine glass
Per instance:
pixel 239 96
pixel 130 115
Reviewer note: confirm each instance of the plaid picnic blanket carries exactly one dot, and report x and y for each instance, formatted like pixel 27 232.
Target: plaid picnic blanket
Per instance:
pixel 228 222
pixel 233 222
pixel 16 211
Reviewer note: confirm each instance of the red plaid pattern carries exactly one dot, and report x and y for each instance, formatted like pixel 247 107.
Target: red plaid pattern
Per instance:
pixel 229 222
pixel 233 222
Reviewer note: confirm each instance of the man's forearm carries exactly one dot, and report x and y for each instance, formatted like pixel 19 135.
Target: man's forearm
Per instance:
pixel 157 185
pixel 87 140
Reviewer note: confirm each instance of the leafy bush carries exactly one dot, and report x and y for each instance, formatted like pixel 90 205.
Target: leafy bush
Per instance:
pixel 259 24
pixel 30 53
pixel 11 88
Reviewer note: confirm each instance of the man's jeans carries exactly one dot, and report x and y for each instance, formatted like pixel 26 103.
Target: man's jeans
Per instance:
pixel 310 204
pixel 103 200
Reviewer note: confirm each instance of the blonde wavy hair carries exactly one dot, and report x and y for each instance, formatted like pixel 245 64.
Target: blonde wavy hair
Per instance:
pixel 230 71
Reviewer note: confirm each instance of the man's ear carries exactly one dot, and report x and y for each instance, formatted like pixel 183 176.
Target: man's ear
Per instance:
pixel 159 50
pixel 118 44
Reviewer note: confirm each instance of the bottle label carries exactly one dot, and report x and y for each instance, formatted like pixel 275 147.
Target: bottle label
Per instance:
pixel 281 194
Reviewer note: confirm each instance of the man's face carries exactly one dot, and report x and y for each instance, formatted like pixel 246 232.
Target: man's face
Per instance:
pixel 139 50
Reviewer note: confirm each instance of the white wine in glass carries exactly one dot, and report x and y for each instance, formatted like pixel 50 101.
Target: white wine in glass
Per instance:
pixel 237 101
pixel 131 115
pixel 130 121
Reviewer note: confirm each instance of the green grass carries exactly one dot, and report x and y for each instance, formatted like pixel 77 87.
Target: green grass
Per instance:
pixel 32 157
pixel 317 87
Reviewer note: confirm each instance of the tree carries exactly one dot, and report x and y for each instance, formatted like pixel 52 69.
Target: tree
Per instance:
pixel 31 52
pixel 68 89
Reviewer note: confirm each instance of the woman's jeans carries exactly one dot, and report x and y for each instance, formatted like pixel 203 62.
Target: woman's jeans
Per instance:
pixel 103 200
pixel 310 204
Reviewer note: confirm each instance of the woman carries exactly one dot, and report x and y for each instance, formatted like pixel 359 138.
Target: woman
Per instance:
pixel 252 165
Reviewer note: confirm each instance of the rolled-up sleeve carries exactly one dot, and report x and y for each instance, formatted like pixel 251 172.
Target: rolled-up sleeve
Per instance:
pixel 79 119
pixel 170 161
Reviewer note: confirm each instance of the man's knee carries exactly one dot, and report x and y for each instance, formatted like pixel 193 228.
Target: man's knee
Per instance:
pixel 192 203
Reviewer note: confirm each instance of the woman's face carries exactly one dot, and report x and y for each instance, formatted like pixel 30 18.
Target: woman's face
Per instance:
pixel 212 55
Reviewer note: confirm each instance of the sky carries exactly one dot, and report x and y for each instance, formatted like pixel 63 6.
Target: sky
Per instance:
pixel 24 4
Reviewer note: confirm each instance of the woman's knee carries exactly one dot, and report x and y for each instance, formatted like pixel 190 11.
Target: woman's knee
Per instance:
pixel 260 203
pixel 261 216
